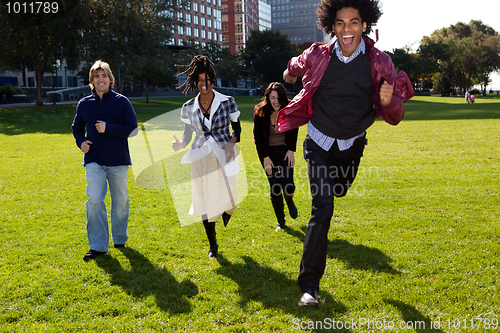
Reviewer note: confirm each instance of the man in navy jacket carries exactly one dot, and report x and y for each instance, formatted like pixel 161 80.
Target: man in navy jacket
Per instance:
pixel 108 119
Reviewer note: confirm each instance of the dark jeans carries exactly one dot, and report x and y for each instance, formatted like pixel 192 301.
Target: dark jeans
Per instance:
pixel 331 173
pixel 281 178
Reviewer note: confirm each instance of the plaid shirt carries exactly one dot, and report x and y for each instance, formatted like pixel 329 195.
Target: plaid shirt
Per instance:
pixel 224 110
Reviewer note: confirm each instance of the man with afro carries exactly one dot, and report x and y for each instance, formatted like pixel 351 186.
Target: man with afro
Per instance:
pixel 347 84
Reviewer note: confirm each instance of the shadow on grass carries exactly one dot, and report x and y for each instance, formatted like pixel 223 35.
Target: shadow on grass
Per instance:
pixel 413 318
pixel 146 279
pixel 48 119
pixel 273 289
pixel 432 110
pixel 355 256
pixel 57 119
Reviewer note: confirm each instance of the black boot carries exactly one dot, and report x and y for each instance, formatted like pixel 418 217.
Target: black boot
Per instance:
pixel 211 234
pixel 292 209
pixel 225 218
pixel 279 208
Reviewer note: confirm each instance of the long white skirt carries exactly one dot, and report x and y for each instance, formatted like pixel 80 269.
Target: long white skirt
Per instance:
pixel 213 191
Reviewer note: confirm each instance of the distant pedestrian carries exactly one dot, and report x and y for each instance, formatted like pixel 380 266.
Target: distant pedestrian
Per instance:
pixel 472 98
pixel 467 97
pixel 109 119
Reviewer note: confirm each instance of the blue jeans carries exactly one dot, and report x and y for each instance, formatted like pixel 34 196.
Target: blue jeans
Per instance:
pixel 98 178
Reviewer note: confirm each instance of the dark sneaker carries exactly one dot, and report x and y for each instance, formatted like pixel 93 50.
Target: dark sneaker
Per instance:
pixel 281 225
pixel 92 255
pixel 310 299
pixel 214 250
pixel 117 246
pixel 292 209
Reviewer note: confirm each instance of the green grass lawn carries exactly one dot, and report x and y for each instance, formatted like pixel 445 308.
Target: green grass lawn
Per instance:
pixel 415 241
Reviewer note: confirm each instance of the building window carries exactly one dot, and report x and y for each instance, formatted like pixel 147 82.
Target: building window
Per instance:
pixel 203 21
pixel 188 18
pixel 196 33
pixel 72 81
pixel 188 31
pixel 209 23
pixel 203 34
pixel 195 19
pixel 195 6
pixel 202 9
pixel 209 11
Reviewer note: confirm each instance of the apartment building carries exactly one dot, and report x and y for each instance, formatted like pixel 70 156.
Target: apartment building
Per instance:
pixel 201 21
pixel 239 18
pixel 297 20
pixel 265 14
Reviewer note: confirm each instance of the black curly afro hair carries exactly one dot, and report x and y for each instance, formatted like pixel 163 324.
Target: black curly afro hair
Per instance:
pixel 369 10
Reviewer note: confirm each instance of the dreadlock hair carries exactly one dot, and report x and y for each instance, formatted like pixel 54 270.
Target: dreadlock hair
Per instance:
pixel 265 107
pixel 200 64
pixel 369 11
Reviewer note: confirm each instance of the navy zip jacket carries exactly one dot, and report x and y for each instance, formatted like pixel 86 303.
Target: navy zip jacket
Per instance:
pixel 111 147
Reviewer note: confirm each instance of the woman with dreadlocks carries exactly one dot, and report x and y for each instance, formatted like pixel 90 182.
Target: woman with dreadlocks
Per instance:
pixel 212 156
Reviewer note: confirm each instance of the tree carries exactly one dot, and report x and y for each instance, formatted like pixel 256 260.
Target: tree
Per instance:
pixel 229 69
pixel 304 45
pixel 266 55
pixel 442 84
pixel 152 72
pixel 466 54
pixel 40 36
pixel 123 31
pixel 404 61
pixel 489 60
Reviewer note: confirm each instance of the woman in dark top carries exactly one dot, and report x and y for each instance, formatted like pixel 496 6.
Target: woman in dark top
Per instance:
pixel 276 150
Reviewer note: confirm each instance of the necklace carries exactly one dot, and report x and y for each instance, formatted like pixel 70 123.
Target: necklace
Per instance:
pixel 207 110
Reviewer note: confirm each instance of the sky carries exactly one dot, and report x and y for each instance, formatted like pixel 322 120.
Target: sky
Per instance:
pixel 404 23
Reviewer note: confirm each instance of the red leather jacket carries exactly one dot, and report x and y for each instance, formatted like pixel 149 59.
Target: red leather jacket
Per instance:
pixel 312 64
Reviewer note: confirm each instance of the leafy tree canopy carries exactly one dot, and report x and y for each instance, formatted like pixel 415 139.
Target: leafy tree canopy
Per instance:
pixel 38 37
pixel 266 55
pixel 466 54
